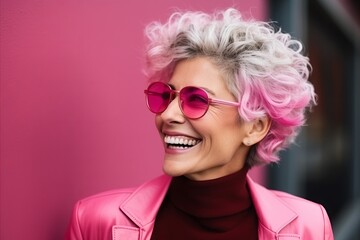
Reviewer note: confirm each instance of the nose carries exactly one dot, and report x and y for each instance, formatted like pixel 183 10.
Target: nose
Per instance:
pixel 173 113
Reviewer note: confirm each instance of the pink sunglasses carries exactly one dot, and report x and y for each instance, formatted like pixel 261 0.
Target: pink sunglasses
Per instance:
pixel 193 101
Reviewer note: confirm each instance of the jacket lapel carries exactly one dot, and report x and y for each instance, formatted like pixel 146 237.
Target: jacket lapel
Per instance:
pixel 143 204
pixel 272 213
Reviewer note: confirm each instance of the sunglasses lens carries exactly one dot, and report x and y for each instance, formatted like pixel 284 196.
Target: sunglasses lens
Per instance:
pixel 158 97
pixel 194 102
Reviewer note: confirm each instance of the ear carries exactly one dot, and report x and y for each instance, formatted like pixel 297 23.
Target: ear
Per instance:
pixel 257 130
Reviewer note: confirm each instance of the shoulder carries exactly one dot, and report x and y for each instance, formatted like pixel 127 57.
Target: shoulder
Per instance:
pixel 104 203
pixel 285 214
pixel 311 217
pixel 115 196
pixel 113 199
pixel 303 207
pixel 283 201
pixel 101 211
pixel 96 215
pixel 295 202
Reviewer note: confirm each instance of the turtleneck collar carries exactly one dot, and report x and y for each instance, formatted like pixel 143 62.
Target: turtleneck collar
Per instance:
pixel 216 203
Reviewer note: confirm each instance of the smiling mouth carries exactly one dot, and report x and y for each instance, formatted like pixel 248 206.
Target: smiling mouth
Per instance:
pixel 180 142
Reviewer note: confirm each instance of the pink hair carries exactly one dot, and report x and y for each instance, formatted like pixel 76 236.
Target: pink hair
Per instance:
pixel 263 68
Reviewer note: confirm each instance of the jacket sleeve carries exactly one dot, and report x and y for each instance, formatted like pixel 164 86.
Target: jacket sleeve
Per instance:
pixel 74 230
pixel 328 233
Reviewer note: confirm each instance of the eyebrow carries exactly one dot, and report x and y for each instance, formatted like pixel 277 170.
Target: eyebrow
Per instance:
pixel 206 89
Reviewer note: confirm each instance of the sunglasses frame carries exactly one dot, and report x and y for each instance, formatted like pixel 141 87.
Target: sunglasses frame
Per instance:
pixel 172 92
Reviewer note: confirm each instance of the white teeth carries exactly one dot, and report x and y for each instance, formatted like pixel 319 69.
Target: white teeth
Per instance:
pixel 180 140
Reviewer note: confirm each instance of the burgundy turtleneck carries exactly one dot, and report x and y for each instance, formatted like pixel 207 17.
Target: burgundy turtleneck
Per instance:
pixel 212 209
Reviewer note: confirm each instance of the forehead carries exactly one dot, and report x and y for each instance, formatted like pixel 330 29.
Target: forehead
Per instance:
pixel 199 72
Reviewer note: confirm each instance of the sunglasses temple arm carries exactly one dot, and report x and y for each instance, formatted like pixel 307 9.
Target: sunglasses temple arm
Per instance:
pixel 224 102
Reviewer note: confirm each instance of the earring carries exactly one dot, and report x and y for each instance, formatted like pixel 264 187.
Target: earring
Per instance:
pixel 247 143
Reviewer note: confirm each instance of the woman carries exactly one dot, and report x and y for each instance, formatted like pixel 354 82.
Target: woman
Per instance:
pixel 227 94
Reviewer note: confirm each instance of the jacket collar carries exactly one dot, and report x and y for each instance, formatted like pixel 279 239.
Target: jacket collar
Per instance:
pixel 143 204
pixel 272 212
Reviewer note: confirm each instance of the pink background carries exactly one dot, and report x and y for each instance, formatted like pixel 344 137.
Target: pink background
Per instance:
pixel 73 118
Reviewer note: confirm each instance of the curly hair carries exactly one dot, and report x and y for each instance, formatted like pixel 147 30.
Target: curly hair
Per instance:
pixel 263 67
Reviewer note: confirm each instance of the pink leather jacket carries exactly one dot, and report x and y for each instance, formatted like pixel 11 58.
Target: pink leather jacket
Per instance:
pixel 130 214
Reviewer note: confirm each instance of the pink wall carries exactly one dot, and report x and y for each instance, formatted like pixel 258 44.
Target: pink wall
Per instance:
pixel 68 127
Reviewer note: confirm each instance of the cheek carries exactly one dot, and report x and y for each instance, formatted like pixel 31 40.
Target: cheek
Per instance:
pixel 224 134
pixel 158 122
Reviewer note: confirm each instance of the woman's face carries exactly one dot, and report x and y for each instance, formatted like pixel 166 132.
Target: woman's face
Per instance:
pixel 218 135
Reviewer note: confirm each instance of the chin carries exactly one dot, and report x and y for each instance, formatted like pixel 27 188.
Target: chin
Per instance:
pixel 173 171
